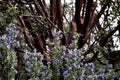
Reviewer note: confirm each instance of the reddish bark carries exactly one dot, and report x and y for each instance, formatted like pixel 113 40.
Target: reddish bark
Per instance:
pixel 78 6
pixel 60 20
pixel 82 39
pixel 52 10
pixel 26 34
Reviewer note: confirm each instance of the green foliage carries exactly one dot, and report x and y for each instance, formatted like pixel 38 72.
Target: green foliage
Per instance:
pixel 67 60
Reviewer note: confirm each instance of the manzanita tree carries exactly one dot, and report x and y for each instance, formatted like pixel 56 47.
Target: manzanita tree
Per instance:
pixel 86 28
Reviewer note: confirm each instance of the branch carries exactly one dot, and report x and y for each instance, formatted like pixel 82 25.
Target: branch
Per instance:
pixel 38 9
pixel 52 10
pixel 38 42
pixel 87 16
pixel 60 20
pixel 104 40
pixel 25 34
pixel 43 7
pixel 78 6
pixel 82 39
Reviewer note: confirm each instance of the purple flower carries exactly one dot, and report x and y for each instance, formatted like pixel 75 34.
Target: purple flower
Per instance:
pixel 74 64
pixel 39 54
pixel 70 52
pixel 83 72
pixel 93 78
pixel 27 69
pixel 43 74
pixel 70 67
pixel 38 71
pixel 25 57
pixel 3 37
pixel 81 78
pixel 9 30
pixel 7 58
pixel 86 64
pixel 75 52
pixel 58 72
pixel 92 65
pixel 8 41
pixel 102 75
pixel 65 73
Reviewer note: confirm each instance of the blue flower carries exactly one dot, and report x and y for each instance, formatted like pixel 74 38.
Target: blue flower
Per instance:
pixel 9 30
pixel 93 78
pixel 81 78
pixel 58 72
pixel 65 73
pixel 38 71
pixel 3 37
pixel 8 41
pixel 86 64
pixel 70 52
pixel 74 64
pixel 44 73
pixel 102 75
pixel 70 67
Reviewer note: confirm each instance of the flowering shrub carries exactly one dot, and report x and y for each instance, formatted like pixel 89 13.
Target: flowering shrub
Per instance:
pixel 69 68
